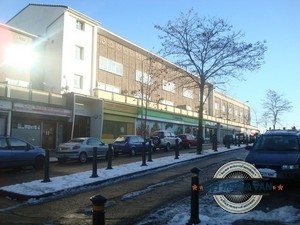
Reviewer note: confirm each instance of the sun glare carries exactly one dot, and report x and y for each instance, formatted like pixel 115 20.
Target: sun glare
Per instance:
pixel 19 56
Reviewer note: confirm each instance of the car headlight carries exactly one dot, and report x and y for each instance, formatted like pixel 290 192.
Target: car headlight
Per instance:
pixel 290 167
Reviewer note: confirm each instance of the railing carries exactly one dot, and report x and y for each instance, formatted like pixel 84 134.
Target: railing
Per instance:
pixel 26 94
pixel 157 106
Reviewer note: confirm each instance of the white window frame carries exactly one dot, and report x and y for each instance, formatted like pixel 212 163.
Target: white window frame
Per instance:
pixel 78 81
pixel 143 78
pixel 80 25
pixel 109 88
pixel 169 86
pixel 110 66
pixel 187 93
pixel 167 102
pixel 79 52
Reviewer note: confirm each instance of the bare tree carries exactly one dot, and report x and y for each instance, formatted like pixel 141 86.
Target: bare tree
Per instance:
pixel 150 76
pixel 210 51
pixel 275 105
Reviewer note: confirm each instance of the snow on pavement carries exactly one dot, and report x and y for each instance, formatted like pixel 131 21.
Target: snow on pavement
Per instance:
pixel 37 188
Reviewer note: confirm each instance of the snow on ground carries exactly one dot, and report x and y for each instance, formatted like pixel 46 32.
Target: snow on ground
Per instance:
pixel 37 188
pixel 175 214
pixel 211 214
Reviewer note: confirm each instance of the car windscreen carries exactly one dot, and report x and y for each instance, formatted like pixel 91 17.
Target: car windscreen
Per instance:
pixel 121 139
pixel 76 141
pixel 277 142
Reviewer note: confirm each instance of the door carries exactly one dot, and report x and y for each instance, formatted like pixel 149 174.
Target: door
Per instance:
pixel 20 150
pixel 49 135
pixel 5 153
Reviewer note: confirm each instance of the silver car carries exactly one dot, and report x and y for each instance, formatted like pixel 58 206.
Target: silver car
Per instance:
pixel 81 149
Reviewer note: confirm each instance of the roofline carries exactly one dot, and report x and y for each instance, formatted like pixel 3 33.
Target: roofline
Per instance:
pixel 67 8
pixel 17 30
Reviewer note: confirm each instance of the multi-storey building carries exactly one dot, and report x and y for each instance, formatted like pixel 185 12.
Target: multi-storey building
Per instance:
pixel 87 65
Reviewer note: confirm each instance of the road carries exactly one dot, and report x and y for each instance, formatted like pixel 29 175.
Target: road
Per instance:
pixel 128 201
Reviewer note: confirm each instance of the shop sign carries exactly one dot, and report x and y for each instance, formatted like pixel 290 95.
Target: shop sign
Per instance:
pixel 41 110
pixel 5 105
pixel 209 123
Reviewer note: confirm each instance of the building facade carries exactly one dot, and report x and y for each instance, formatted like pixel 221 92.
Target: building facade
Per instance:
pixel 109 84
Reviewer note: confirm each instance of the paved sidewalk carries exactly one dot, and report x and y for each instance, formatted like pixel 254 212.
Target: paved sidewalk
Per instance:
pixel 38 189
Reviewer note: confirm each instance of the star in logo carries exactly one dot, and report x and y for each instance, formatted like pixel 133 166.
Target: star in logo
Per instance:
pixel 194 187
pixel 280 187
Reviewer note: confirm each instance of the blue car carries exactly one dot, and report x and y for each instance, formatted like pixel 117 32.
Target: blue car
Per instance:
pixel 129 144
pixel 15 152
pixel 276 154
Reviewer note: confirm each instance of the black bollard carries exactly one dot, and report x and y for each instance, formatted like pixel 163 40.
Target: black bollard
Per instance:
pixel 215 143
pixel 239 141
pixel 109 157
pixel 228 142
pixel 194 219
pixel 46 169
pixel 176 149
pixel 98 209
pixel 150 152
pixel 144 155
pixel 94 163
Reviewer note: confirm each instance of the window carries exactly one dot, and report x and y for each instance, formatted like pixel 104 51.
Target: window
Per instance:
pixel 166 102
pixel 187 93
pixel 168 86
pixel 79 52
pixel 78 81
pixel 144 78
pixel 110 66
pixel 17 144
pixel 79 25
pixel 110 88
pixel 217 106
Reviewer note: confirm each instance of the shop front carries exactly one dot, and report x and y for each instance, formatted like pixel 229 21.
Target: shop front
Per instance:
pixel 118 120
pixel 157 120
pixel 40 125
pixel 5 117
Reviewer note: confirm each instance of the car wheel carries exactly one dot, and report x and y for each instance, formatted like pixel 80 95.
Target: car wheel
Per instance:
pixel 39 162
pixel 168 147
pixel 132 152
pixel 83 157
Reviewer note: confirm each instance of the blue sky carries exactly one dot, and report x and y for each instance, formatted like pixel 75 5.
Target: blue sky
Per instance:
pixel 276 21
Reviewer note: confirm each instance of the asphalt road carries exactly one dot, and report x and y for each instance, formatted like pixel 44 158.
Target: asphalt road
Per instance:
pixel 128 201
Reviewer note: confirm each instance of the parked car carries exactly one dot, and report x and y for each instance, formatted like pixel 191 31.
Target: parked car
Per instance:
pixel 165 139
pixel 81 148
pixel 276 154
pixel 188 140
pixel 229 137
pixel 129 144
pixel 243 137
pixel 15 152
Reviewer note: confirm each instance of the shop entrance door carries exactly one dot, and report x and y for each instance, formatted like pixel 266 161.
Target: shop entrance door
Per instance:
pixel 49 135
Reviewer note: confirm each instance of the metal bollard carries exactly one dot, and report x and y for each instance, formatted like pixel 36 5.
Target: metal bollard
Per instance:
pixel 46 169
pixel 150 152
pixel 109 157
pixel 215 143
pixel 239 142
pixel 94 163
pixel 144 155
pixel 176 149
pixel 194 219
pixel 228 143
pixel 98 209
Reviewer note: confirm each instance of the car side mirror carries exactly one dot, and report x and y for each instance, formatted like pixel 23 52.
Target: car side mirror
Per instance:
pixel 248 147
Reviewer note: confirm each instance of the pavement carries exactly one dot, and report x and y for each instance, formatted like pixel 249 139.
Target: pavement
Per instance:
pixel 37 189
